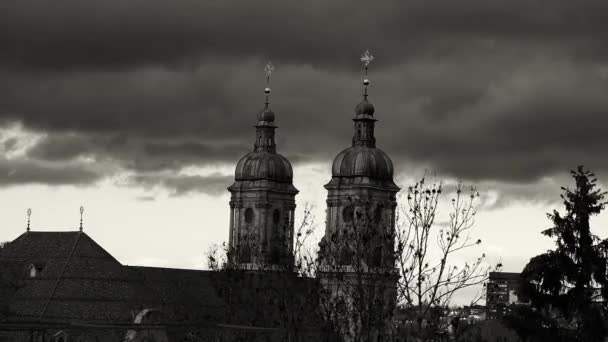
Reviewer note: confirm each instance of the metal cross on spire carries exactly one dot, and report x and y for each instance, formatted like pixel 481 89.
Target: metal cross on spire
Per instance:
pixel 81 212
pixel 29 214
pixel 268 69
pixel 366 58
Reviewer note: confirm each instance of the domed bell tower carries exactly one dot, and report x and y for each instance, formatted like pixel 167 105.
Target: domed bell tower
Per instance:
pixel 357 251
pixel 262 201
pixel 361 193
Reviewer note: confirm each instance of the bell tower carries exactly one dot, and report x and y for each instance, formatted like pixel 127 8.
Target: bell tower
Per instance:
pixel 357 251
pixel 262 201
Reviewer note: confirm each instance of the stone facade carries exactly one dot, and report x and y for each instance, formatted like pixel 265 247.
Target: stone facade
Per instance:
pixel 262 204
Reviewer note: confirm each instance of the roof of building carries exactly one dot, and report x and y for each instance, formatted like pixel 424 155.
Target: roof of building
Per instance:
pixel 262 165
pixel 182 294
pixel 79 280
pixel 80 284
pixel 361 161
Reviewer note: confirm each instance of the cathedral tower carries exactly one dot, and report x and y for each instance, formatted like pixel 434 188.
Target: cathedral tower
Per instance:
pixel 262 201
pixel 357 251
pixel 361 191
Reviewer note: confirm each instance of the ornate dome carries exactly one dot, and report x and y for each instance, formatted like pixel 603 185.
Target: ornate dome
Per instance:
pixel 365 107
pixel 362 161
pixel 264 165
pixel 266 114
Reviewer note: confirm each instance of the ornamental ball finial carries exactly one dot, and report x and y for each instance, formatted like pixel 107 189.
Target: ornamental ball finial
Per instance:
pixel 366 81
pixel 267 90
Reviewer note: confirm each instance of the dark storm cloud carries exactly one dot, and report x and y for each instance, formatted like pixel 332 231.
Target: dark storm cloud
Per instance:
pixel 26 172
pixel 132 154
pixel 214 184
pixel 69 34
pixel 479 90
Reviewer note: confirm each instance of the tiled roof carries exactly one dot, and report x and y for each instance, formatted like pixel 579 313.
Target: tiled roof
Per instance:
pixel 80 281
pixel 183 295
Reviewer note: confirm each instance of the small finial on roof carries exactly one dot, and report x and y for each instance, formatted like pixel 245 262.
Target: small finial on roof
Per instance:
pixel 268 69
pixel 81 212
pixel 266 114
pixel 29 214
pixel 365 107
pixel 366 58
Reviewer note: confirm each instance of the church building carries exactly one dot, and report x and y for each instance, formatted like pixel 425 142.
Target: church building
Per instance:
pixel 61 286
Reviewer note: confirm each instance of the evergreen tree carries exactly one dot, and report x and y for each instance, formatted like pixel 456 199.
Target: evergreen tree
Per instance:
pixel 567 287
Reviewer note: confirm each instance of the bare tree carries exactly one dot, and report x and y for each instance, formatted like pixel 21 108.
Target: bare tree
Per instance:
pixel 356 268
pixel 250 291
pixel 429 278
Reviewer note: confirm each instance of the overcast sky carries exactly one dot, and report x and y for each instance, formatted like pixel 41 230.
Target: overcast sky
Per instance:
pixel 139 110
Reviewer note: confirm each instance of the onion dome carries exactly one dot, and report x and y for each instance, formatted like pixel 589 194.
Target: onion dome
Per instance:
pixel 361 161
pixel 365 108
pixel 263 165
pixel 266 114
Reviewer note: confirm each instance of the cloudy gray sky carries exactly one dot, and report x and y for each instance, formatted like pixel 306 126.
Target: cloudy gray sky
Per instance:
pixel 140 109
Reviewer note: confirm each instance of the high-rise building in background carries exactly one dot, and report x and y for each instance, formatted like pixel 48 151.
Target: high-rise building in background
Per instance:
pixel 501 293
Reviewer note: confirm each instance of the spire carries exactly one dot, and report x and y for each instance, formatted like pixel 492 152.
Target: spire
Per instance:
pixel 266 116
pixel 364 107
pixel 268 69
pixel 364 112
pixel 265 128
pixel 81 212
pixel 366 58
pixel 29 215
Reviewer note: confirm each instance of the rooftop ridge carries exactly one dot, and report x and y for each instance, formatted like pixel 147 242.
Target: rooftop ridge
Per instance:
pixel 168 268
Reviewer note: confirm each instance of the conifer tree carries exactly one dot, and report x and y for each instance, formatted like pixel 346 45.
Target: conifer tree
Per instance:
pixel 568 286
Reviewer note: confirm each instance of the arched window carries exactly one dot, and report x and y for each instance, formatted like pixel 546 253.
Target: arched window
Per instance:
pixel 345 256
pixel 276 216
pixel 249 215
pixel 32 271
pixel 245 254
pixel 347 214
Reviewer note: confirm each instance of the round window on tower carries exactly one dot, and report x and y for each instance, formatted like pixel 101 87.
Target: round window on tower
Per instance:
pixel 276 216
pixel 249 215
pixel 347 214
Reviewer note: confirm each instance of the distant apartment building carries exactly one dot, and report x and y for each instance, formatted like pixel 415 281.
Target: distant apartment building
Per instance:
pixel 501 293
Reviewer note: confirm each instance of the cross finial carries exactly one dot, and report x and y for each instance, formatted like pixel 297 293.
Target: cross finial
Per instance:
pixel 268 69
pixel 29 214
pixel 366 58
pixel 81 212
